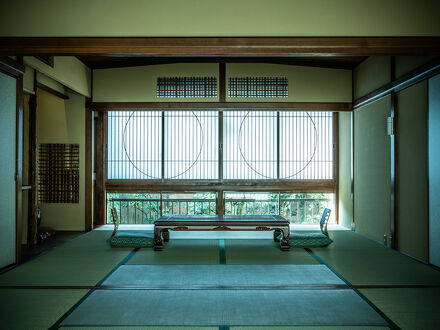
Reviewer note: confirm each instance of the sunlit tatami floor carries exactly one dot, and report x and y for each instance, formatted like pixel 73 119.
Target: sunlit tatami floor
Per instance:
pixel 221 280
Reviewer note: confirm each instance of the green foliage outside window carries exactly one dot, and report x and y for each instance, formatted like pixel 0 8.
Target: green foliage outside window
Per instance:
pixel 145 208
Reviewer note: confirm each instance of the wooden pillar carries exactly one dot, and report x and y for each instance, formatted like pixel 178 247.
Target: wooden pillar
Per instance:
pixel 220 202
pixel 335 116
pixel 88 225
pixel 33 202
pixel 101 166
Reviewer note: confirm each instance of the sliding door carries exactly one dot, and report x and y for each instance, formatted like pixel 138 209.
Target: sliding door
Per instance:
pixel 434 170
pixel 8 101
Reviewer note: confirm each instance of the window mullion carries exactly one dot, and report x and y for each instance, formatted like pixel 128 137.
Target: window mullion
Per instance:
pixel 163 146
pixel 278 145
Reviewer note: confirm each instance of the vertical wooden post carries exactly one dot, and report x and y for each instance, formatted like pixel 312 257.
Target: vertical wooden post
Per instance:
pixel 335 125
pixel 222 98
pixel 222 82
pixel 394 160
pixel 353 224
pixel 33 202
pixel 100 189
pixel 104 165
pixel 88 175
pixel 220 202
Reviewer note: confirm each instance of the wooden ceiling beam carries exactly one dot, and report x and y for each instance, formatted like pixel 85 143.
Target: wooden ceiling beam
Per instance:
pixel 208 46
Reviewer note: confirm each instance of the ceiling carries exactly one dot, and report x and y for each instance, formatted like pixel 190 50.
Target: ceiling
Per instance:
pixel 324 61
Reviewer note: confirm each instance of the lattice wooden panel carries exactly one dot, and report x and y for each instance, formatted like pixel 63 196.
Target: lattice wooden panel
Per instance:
pixel 258 87
pixel 184 87
pixel 58 173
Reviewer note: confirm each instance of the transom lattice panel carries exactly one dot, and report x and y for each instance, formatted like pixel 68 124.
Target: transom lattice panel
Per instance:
pixel 258 87
pixel 58 173
pixel 185 87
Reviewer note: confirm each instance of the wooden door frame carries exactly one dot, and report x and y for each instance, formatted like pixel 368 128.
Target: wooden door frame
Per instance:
pixel 16 70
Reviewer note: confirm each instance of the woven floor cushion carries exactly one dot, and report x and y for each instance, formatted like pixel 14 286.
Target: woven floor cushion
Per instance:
pixel 132 238
pixel 309 240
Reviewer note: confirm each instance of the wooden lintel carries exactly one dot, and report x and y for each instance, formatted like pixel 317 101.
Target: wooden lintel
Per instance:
pixel 221 106
pixel 209 46
pixel 255 185
pixel 11 67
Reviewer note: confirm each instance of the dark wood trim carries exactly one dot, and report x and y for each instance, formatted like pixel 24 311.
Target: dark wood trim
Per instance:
pixel 224 106
pixel 230 185
pixel 204 287
pixel 103 206
pixel 33 197
pixel 222 82
pixel 278 145
pixel 394 140
pixel 18 165
pixel 11 67
pixel 352 169
pixel 423 72
pixel 220 45
pixel 220 202
pixel 162 148
pixel 100 186
pixel 88 224
pixel 336 162
pixel 220 145
pixel 52 91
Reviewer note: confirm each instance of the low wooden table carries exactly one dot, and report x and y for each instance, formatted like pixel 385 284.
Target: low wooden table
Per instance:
pixel 277 223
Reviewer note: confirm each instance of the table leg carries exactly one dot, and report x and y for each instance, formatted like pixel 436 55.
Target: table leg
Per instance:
pixel 158 244
pixel 276 233
pixel 285 240
pixel 166 235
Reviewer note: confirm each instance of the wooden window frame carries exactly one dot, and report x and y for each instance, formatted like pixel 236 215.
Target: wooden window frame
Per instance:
pixel 218 186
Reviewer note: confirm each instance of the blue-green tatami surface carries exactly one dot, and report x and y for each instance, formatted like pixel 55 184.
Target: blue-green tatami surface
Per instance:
pixel 220 283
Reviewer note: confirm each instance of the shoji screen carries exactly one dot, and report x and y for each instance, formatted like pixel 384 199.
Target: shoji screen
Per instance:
pixel 7 169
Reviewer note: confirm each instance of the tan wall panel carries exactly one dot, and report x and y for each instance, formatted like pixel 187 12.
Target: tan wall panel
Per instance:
pixel 60 121
pixel 66 70
pixel 372 170
pixel 413 226
pixel 306 84
pixel 138 84
pixel 345 201
pixel 405 64
pixel 371 74
pixel 28 78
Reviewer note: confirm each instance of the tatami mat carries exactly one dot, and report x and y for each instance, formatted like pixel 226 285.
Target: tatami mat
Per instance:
pixel 222 275
pixel 141 328
pixel 311 328
pixel 82 261
pixel 35 309
pixel 180 252
pixel 223 308
pixel 409 308
pixel 363 261
pixel 264 252
pixel 88 259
